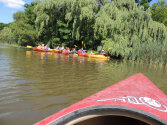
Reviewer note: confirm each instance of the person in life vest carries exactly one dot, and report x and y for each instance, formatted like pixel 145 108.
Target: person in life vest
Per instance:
pixel 80 51
pixel 103 53
pixel 92 53
pixel 47 47
pixel 58 48
pixel 39 46
pixel 62 48
pixel 74 51
pixel 83 51
pixel 68 49
pixel 43 46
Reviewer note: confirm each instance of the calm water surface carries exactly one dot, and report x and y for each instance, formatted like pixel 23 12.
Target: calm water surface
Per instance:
pixel 34 85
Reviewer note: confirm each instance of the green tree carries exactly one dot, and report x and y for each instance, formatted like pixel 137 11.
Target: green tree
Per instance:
pixel 159 12
pixel 144 3
pixel 20 15
pixel 6 35
pixel 24 33
pixel 30 16
pixel 129 32
pixel 48 15
pixel 81 15
pixel 2 25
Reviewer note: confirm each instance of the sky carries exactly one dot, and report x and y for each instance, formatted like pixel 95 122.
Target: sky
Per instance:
pixel 9 7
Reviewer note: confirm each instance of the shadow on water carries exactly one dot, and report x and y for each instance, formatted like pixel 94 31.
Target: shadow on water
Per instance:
pixel 34 85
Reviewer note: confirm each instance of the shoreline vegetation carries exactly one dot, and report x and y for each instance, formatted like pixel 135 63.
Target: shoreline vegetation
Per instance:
pixel 132 62
pixel 125 29
pixel 10 44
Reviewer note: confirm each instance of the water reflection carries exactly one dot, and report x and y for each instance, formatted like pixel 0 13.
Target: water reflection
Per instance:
pixel 35 85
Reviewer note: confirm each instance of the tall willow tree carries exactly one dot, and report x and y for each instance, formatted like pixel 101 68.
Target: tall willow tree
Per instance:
pixel 6 36
pixel 24 33
pixel 144 3
pixel 159 12
pixel 2 25
pixel 50 22
pixel 78 14
pixel 129 32
pixel 81 15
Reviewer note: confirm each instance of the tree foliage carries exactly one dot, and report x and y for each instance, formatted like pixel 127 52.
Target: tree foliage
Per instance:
pixel 19 31
pixel 159 12
pixel 30 16
pixel 81 15
pixel 20 15
pixel 2 25
pixel 6 35
pixel 50 23
pixel 129 32
pixel 144 3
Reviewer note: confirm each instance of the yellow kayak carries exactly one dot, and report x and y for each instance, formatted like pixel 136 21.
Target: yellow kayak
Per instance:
pixel 99 57
pixel 75 54
pixel 50 49
pixel 29 46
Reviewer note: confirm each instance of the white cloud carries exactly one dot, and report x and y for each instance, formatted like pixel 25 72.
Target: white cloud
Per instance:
pixel 13 3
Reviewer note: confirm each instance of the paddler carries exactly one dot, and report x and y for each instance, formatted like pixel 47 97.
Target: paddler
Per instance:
pixel 92 53
pixel 83 51
pixel 43 46
pixel 62 48
pixel 103 53
pixel 80 51
pixel 47 47
pixel 74 51
pixel 58 48
pixel 39 46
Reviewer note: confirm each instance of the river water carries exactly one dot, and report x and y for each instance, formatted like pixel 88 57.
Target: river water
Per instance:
pixel 34 85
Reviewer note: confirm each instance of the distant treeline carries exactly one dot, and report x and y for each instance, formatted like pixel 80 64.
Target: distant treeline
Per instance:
pixel 127 29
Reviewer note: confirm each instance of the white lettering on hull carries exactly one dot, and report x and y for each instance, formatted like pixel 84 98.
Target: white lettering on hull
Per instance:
pixel 140 101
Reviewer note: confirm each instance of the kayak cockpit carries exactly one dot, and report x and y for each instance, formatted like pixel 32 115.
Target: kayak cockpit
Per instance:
pixel 108 115
pixel 107 120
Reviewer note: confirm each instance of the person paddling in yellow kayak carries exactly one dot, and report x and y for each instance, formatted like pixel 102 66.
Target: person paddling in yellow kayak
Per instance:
pixel 92 52
pixel 103 53
pixel 58 48
pixel 62 48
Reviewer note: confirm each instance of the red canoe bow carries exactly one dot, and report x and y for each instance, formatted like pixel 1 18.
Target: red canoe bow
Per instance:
pixel 134 101
pixel 65 52
pixel 40 50
pixel 57 51
pixel 83 54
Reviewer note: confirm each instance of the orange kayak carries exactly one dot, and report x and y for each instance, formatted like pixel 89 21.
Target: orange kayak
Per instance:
pixel 65 52
pixel 57 51
pixel 40 50
pixel 83 54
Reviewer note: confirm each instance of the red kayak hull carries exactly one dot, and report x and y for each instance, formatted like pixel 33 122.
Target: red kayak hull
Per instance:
pixel 136 96
pixel 41 50
pixel 65 52
pixel 83 54
pixel 57 51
